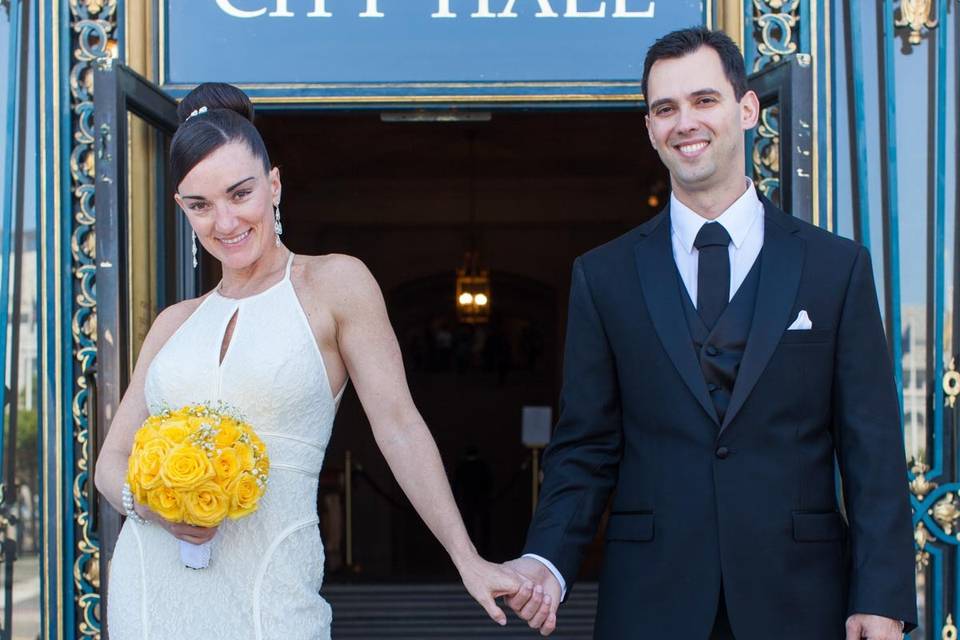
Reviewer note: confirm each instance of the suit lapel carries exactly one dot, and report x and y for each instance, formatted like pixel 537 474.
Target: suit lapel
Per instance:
pixel 661 291
pixel 780 269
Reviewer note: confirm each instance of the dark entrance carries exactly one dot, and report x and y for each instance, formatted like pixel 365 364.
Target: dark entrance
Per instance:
pixel 529 191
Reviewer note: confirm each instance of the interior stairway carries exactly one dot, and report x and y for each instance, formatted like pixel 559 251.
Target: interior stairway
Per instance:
pixel 435 611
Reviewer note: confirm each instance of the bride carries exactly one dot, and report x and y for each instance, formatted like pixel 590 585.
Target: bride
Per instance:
pixel 278 339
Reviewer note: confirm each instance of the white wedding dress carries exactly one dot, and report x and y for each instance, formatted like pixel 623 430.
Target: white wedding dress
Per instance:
pixel 265 573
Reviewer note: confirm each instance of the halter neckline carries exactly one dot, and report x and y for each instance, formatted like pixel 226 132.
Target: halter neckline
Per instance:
pixel 286 278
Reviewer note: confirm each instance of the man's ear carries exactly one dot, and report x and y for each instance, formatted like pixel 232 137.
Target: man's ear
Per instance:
pixel 749 110
pixel 646 121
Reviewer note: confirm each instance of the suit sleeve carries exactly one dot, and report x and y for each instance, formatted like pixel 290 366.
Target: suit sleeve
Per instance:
pixel 580 464
pixel 871 456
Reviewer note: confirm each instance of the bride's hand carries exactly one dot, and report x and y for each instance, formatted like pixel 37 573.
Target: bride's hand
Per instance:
pixel 486 581
pixel 185 532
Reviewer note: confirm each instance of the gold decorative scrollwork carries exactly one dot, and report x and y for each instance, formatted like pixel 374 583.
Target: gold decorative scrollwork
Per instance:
pixel 920 486
pixel 922 537
pixel 946 512
pixel 776 30
pixel 776 34
pixel 951 384
pixel 766 154
pixel 949 629
pixel 92 23
pixel 915 14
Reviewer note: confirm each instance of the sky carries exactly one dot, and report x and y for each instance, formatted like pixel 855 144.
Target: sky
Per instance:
pixel 8 101
pixel 914 91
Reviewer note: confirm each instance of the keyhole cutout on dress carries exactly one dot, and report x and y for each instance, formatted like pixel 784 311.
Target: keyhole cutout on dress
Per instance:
pixel 228 334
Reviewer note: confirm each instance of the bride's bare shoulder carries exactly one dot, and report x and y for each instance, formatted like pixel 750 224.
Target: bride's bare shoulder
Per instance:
pixel 338 275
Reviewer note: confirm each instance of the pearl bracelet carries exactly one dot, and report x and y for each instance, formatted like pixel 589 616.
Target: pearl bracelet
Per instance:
pixel 128 505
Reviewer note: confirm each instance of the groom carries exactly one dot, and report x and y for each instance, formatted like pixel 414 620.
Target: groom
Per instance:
pixel 719 358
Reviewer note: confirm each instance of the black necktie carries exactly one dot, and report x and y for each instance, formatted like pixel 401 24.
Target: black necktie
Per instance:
pixel 713 272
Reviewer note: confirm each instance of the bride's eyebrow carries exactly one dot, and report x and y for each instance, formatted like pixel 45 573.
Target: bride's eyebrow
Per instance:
pixel 234 186
pixel 229 189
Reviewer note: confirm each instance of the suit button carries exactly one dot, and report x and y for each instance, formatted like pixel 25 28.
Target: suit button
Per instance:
pixel 723 452
pixel 711 351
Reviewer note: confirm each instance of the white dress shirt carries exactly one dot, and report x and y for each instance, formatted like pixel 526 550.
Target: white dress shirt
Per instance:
pixel 743 220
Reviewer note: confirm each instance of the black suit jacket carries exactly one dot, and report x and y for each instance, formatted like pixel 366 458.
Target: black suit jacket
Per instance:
pixel 750 500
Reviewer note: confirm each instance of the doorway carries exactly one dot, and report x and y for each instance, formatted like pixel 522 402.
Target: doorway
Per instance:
pixel 528 191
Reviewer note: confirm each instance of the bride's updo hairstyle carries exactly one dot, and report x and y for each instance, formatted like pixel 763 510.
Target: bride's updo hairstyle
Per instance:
pixel 212 115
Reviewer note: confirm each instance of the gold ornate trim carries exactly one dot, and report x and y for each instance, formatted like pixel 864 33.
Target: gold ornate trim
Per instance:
pixel 915 15
pixel 93 24
pixel 920 486
pixel 730 20
pixel 949 629
pixel 946 512
pixel 951 384
pixel 922 537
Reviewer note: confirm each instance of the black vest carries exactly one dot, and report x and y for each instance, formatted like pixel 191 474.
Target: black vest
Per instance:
pixel 720 350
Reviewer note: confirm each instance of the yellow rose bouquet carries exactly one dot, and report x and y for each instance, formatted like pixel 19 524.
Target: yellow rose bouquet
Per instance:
pixel 198 465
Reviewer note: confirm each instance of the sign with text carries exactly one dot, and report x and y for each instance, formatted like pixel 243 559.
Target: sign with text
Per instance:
pixel 406 42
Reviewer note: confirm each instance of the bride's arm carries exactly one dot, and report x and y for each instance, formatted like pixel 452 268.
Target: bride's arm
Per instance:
pixel 111 471
pixel 372 357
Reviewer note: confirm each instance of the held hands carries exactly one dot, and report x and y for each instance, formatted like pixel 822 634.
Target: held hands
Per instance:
pixel 861 626
pixel 486 581
pixel 185 532
pixel 537 602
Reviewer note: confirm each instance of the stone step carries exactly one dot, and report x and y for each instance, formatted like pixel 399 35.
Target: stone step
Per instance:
pixel 442 611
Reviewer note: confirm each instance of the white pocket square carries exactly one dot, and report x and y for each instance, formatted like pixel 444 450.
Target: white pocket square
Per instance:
pixel 802 323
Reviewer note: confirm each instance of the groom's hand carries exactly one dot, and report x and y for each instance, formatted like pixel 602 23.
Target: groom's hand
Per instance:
pixel 538 606
pixel 861 626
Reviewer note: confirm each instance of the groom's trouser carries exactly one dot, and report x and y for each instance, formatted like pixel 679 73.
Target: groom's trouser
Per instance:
pixel 721 626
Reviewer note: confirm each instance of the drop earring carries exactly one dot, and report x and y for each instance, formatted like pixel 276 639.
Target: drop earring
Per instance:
pixel 193 242
pixel 277 227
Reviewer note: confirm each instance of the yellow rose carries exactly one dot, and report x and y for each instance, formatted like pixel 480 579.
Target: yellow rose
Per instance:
pixel 226 465
pixel 144 434
pixel 228 434
pixel 153 422
pixel 166 503
pixel 195 422
pixel 149 462
pixel 206 506
pixel 174 430
pixel 244 456
pixel 133 474
pixel 186 467
pixel 263 465
pixel 244 494
pixel 255 439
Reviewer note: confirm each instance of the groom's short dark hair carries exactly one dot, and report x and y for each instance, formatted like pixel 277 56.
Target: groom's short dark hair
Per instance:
pixel 677 44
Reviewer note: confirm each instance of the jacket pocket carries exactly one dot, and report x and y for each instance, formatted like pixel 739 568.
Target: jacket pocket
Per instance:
pixel 817 527
pixel 630 527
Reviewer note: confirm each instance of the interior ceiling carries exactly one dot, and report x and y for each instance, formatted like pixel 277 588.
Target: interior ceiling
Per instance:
pixel 577 145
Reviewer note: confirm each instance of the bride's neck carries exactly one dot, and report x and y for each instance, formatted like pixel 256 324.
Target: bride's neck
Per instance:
pixel 262 272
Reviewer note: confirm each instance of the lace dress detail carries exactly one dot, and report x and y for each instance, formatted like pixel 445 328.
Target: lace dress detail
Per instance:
pixel 266 570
